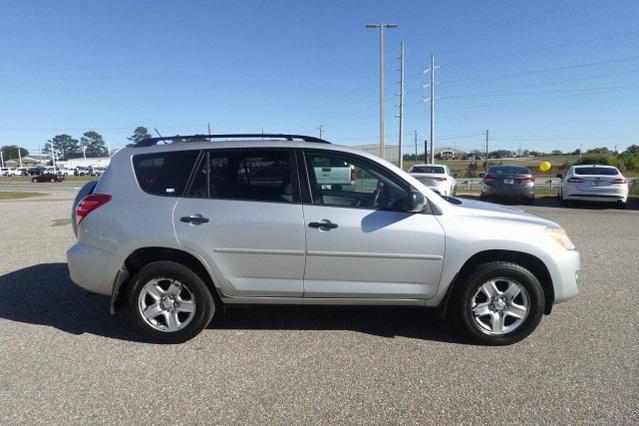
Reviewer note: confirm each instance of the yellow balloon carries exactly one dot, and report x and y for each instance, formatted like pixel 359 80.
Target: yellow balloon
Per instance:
pixel 545 166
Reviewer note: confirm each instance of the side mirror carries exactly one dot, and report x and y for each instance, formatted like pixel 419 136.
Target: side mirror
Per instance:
pixel 414 203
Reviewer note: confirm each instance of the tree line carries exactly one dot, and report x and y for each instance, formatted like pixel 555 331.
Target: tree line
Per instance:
pixel 66 146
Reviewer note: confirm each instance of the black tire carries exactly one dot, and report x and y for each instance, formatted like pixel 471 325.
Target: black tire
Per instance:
pixel 483 196
pixel 481 274
pixel 530 201
pixel 622 205
pixel 205 304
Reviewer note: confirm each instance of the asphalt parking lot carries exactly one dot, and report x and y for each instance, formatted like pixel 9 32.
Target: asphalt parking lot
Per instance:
pixel 64 359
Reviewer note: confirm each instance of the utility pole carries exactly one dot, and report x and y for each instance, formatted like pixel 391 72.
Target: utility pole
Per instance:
pixel 84 154
pixel 321 128
pixel 486 147
pixel 52 155
pixel 432 109
pixel 415 145
pixel 209 125
pixel 20 155
pixel 432 106
pixel 1 160
pixel 426 151
pixel 381 27
pixel 401 107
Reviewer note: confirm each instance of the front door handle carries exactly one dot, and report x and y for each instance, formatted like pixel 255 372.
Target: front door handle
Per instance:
pixel 195 219
pixel 324 224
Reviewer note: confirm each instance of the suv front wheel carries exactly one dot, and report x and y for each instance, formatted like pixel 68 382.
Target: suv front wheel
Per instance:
pixel 500 303
pixel 169 303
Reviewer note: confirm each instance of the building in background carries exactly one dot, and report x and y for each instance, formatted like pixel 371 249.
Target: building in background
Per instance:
pixel 391 152
pixel 81 162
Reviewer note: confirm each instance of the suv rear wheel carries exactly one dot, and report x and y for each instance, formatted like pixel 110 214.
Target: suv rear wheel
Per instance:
pixel 169 303
pixel 500 303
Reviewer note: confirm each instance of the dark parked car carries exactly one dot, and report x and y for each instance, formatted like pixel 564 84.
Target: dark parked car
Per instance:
pixel 47 177
pixel 514 182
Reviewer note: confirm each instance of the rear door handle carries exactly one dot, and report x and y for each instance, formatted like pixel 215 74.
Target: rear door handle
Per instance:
pixel 324 224
pixel 195 219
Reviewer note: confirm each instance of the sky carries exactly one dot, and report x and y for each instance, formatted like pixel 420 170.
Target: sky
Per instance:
pixel 539 75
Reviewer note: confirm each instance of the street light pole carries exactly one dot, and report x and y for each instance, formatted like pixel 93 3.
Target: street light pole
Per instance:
pixel 381 27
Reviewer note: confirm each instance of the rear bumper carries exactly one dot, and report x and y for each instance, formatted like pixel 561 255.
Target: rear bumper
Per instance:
pixel 597 197
pixel 93 269
pixel 564 268
pixel 527 191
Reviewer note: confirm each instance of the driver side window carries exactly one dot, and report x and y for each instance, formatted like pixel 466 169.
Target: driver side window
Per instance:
pixel 342 180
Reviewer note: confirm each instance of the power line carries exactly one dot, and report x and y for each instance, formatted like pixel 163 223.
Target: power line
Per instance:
pixel 538 71
pixel 541 49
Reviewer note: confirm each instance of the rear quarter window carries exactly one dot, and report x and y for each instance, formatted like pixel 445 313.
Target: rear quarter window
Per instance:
pixel 164 173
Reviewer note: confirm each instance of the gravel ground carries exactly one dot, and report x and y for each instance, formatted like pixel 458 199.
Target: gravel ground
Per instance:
pixel 66 360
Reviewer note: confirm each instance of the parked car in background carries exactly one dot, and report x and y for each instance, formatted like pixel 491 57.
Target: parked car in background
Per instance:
pixel 23 171
pixel 65 171
pixel 35 171
pixel 81 171
pixel 48 177
pixel 4 171
pixel 179 230
pixel 514 182
pixel 594 183
pixel 437 177
pixel 97 171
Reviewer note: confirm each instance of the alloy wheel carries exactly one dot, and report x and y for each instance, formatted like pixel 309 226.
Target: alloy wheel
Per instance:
pixel 166 304
pixel 500 306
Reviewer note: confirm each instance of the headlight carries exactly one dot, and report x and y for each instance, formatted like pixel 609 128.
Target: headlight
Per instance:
pixel 559 235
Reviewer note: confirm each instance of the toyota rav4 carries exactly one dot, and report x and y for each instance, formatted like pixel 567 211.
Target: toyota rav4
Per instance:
pixel 174 231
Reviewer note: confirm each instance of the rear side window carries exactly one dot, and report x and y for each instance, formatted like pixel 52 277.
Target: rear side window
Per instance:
pixel 602 171
pixel 164 173
pixel 261 175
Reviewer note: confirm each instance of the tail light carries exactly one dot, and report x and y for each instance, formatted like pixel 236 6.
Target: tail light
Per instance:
pixel 440 179
pixel 90 203
pixel 527 179
pixel 489 178
pixel 619 181
pixel 575 180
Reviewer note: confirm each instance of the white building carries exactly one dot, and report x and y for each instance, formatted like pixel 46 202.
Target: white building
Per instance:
pixel 81 162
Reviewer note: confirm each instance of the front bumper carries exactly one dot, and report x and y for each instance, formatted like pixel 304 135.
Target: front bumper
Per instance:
pixel 563 267
pixel 93 269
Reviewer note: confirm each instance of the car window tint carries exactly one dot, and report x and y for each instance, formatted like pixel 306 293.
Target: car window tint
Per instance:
pixel 427 169
pixel 245 175
pixel 345 181
pixel 602 171
pixel 164 173
pixel 509 170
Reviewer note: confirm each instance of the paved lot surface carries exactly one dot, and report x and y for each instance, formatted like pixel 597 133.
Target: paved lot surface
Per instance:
pixel 65 360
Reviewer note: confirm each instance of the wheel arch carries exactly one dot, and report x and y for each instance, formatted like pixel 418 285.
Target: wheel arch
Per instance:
pixel 143 256
pixel 532 263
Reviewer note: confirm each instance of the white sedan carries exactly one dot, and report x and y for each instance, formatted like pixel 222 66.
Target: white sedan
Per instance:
pixel 436 177
pixel 594 183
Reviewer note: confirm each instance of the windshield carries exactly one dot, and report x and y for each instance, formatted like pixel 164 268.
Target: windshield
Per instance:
pixel 427 169
pixel 509 170
pixel 602 171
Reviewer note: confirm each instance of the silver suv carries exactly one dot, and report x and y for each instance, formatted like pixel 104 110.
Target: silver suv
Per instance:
pixel 173 232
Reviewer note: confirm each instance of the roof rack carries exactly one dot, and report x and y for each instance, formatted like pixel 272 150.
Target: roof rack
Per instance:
pixel 203 138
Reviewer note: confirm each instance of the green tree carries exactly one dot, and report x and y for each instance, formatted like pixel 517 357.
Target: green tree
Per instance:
pixel 10 152
pixel 64 146
pixel 139 134
pixel 556 152
pixel 633 149
pixel 94 144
